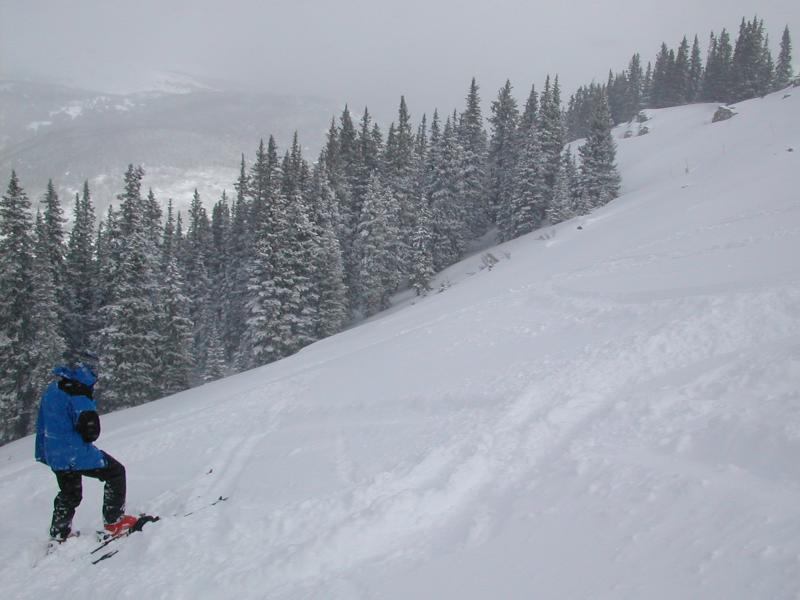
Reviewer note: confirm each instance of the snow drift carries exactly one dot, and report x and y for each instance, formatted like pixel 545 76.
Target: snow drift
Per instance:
pixel 611 411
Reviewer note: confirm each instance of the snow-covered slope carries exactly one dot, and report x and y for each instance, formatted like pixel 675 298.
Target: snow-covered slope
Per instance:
pixel 611 411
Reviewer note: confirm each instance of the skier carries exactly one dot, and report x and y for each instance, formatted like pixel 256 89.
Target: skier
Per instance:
pixel 65 429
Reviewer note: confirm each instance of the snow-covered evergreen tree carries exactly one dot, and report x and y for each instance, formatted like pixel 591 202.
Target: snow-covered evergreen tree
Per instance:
pixel 680 79
pixel 662 91
pixel 695 73
pixel 177 329
pixel 376 248
pixel 635 88
pixel 445 195
pixel 551 138
pixel 129 339
pixel 751 63
pixel 240 247
pixel 216 366
pixel 294 274
pixel 54 242
pixel 262 309
pixel 783 69
pixel 80 274
pixel 561 206
pixel 400 178
pixel 647 87
pixel 472 137
pixel 16 299
pixel 421 271
pixel 599 178
pixel 47 346
pixel 329 265
pixel 529 196
pixel 502 150
pixel 197 250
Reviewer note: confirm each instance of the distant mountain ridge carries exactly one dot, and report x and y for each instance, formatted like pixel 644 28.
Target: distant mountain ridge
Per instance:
pixel 185 132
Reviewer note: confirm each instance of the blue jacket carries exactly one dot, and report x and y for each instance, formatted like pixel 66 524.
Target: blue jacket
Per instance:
pixel 60 428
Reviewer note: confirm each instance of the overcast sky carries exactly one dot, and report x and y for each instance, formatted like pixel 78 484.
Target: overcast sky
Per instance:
pixel 365 52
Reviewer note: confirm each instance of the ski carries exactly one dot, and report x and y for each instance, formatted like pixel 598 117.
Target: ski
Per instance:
pixel 140 523
pixel 143 520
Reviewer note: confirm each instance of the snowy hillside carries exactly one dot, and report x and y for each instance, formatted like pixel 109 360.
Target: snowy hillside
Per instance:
pixel 611 411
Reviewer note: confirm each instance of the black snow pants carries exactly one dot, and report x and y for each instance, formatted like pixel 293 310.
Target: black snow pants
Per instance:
pixel 71 493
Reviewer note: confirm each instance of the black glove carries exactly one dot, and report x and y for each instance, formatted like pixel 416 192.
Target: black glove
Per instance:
pixel 88 426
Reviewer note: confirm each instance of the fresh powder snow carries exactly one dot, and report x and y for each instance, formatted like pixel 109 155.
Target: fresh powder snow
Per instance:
pixel 611 411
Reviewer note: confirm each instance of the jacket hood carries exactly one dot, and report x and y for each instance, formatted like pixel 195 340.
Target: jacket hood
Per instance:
pixel 80 373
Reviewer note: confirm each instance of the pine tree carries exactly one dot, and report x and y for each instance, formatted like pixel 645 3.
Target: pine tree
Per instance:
pixel 376 243
pixel 660 96
pixel 530 117
pixel 47 346
pixel 421 271
pixel 54 241
pixel 695 73
pixel 129 338
pixel 551 138
pixel 783 70
pixel 328 262
pixel 177 329
pixel 348 146
pixel 577 204
pixel 750 73
pixel 766 71
pixel 342 154
pixel 369 160
pixel 198 248
pixel 294 275
pixel 401 178
pixel 647 87
pixel 599 179
pixel 262 310
pixel 617 89
pixel 17 395
pixel 216 367
pixel 529 200
pixel 240 252
pixel 262 184
pixel 472 138
pixel 561 208
pixel 725 58
pixel 717 77
pixel 445 194
pixel 635 90
pixel 681 76
pixel 502 152
pixel 579 112
pixel 152 220
pixel 79 269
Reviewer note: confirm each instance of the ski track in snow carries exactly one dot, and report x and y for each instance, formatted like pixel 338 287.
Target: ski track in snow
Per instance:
pixel 610 413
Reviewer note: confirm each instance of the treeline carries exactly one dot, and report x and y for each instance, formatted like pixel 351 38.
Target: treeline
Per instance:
pixel 730 73
pixel 299 251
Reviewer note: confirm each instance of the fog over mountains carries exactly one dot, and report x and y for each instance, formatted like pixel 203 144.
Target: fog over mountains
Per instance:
pixel 186 133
